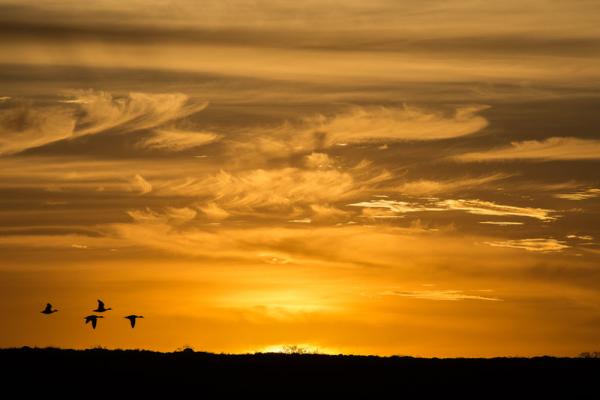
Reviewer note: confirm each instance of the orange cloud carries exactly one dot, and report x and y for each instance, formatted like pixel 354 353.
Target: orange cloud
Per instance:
pixel 474 206
pixel 555 148
pixel 536 245
pixel 89 112
pixel 440 295
pixel 579 195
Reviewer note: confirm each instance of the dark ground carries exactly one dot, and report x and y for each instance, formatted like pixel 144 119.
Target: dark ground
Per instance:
pixel 193 374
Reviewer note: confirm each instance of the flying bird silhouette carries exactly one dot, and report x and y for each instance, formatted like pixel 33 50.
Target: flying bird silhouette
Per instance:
pixel 101 307
pixel 48 310
pixel 93 319
pixel 132 319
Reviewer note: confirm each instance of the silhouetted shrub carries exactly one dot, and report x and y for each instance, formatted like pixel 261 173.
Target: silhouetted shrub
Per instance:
pixel 593 354
pixel 187 349
pixel 187 373
pixel 297 349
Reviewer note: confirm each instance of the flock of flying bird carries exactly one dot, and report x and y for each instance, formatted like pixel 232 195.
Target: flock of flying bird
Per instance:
pixel 94 318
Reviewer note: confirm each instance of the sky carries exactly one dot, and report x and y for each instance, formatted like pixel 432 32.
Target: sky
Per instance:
pixel 384 177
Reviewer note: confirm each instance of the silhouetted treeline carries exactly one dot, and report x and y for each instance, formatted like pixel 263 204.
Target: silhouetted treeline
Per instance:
pixel 186 372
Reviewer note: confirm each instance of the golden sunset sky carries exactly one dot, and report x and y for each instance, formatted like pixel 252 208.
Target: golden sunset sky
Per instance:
pixel 370 177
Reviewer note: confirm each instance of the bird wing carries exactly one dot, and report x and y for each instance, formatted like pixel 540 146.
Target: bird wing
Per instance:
pixel 132 320
pixel 94 321
pixel 48 307
pixel 87 319
pixel 100 304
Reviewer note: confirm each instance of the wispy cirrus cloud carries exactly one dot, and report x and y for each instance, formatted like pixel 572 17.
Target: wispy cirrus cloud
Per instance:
pixel 474 206
pixel 88 112
pixel 140 184
pixel 182 231
pixel 318 161
pixel 579 195
pixel 301 192
pixel 178 140
pixel 170 216
pixel 325 212
pixel 301 221
pixel 400 207
pixel 480 207
pixel 379 214
pixel 501 223
pixel 376 124
pixel 295 193
pixel 580 237
pixel 424 187
pixel 101 111
pixel 262 187
pixel 361 124
pixel 213 211
pixel 541 245
pixel 554 148
pixel 438 295
pixel 23 126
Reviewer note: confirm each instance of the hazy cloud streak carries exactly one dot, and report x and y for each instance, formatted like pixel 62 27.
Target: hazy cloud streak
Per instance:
pixel 439 295
pixel 554 148
pixel 536 245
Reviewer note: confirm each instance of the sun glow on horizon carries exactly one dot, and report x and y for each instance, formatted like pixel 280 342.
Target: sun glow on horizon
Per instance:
pixel 302 348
